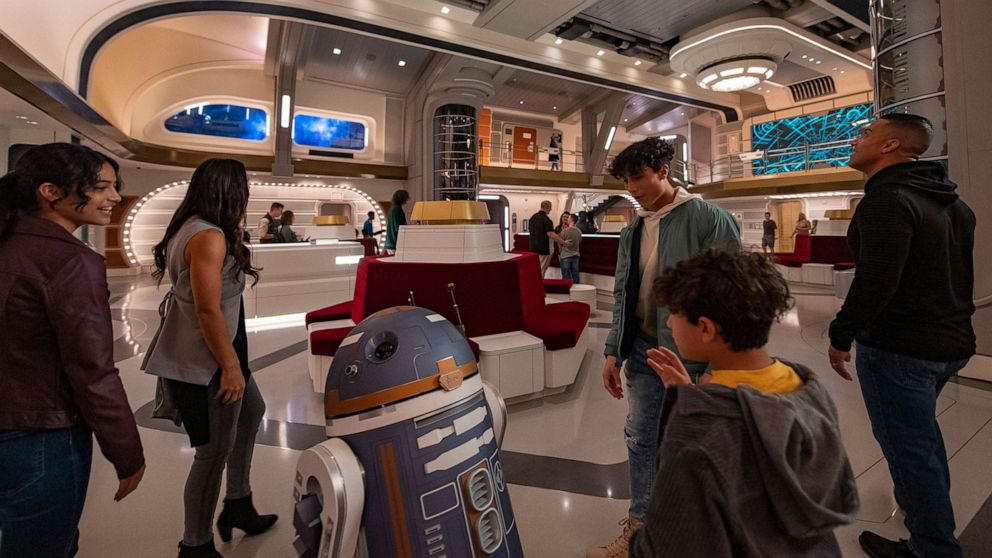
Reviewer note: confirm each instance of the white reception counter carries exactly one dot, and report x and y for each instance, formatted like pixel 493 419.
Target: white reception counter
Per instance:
pixel 301 277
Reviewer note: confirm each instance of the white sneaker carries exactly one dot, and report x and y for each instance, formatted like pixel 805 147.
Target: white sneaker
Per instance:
pixel 618 548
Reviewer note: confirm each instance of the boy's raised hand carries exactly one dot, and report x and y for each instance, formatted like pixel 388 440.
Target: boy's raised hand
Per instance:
pixel 668 366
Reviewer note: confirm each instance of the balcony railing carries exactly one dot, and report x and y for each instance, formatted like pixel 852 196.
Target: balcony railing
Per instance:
pixel 800 158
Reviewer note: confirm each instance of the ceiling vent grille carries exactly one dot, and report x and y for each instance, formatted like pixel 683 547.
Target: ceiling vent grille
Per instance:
pixel 812 88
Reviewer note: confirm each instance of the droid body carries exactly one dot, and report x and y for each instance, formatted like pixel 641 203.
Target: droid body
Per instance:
pixel 412 465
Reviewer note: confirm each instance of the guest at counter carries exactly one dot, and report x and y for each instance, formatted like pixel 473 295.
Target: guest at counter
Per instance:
pixel 286 233
pixel 395 219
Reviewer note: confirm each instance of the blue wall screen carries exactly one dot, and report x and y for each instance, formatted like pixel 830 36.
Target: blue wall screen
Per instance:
pixel 836 125
pixel 229 121
pixel 318 131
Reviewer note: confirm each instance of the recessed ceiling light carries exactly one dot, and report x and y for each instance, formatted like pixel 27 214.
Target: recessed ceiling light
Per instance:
pixel 842 71
pixel 637 62
pixel 521 102
pixel 19 117
pixel 401 63
pixel 600 52
pixel 819 61
pixel 559 40
pixel 554 108
pixel 626 119
pixel 804 57
pixel 336 51
pixel 683 75
pixel 445 9
pixel 835 69
pixel 32 122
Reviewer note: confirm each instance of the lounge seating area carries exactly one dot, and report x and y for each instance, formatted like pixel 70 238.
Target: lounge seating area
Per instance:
pixel 502 306
pixel 816 260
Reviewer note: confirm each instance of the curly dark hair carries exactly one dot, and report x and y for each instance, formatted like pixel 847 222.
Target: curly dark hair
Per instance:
pixel 651 153
pixel 74 169
pixel 741 292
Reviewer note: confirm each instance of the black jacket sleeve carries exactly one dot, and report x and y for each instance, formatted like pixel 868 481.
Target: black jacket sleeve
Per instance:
pixel 885 226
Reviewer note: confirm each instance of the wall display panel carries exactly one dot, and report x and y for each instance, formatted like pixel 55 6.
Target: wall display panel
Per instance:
pixel 332 133
pixel 223 120
pixel 791 135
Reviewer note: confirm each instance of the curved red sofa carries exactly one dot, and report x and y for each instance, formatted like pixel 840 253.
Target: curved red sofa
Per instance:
pixel 493 297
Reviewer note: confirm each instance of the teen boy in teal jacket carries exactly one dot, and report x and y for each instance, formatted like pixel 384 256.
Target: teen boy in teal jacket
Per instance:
pixel 672 226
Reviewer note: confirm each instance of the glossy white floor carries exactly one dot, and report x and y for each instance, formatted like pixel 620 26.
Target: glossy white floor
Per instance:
pixel 582 424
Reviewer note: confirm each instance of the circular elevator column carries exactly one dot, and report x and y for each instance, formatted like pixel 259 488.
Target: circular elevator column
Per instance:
pixel 451 137
pixel 909 64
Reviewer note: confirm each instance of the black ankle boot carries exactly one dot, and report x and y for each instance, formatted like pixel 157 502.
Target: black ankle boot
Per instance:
pixel 241 514
pixel 201 551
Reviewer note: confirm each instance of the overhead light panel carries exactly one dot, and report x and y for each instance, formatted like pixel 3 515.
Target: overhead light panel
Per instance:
pixel 737 75
pixel 600 52
pixel 559 40
pixel 445 10
pixel 336 51
pixel 401 63
pixel 637 62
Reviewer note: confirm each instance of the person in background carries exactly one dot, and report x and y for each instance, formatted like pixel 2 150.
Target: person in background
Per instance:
pixel 367 226
pixel 585 223
pixel 268 225
pixel 752 461
pixel 286 233
pixel 803 226
pixel 541 231
pixel 562 224
pixel 672 226
pixel 909 308
pixel 769 230
pixel 395 219
pixel 571 239
pixel 60 384
pixel 200 353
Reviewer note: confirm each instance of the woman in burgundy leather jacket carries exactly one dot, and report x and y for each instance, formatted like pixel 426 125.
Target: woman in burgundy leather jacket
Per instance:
pixel 58 382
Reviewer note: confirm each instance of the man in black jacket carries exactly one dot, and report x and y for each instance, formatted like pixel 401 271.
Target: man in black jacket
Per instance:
pixel 909 308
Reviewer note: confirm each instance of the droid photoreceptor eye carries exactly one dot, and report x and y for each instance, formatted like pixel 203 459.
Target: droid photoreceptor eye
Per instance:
pixel 351 371
pixel 384 350
pixel 381 347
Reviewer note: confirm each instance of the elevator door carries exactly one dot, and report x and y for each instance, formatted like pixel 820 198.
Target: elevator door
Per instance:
pixel 524 146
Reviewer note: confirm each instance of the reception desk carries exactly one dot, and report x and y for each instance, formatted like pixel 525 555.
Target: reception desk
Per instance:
pixel 296 278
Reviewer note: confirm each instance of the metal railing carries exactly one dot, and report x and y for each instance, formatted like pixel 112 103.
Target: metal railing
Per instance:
pixel 799 158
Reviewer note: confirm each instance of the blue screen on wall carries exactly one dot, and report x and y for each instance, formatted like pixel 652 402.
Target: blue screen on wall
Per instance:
pixel 836 125
pixel 229 121
pixel 318 131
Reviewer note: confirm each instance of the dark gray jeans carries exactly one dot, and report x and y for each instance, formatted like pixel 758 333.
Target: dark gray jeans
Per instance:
pixel 232 439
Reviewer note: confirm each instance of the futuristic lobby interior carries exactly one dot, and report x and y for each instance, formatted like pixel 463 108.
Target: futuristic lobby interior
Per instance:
pixel 423 337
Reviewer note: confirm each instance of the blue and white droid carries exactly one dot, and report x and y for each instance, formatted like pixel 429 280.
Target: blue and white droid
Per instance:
pixel 412 465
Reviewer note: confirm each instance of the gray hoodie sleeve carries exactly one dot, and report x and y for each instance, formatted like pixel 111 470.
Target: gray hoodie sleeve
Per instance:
pixel 687 511
pixel 619 284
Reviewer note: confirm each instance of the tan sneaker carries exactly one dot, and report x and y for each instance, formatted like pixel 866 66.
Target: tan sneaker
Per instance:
pixel 618 548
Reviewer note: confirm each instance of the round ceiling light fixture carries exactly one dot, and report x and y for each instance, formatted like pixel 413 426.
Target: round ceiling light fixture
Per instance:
pixel 736 75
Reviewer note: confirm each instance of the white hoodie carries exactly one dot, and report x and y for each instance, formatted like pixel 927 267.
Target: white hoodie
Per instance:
pixel 646 315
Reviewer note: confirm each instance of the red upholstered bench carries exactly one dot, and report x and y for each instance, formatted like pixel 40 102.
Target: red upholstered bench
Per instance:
pixel 557 286
pixel 559 325
pixel 341 311
pixel 799 256
pixel 843 266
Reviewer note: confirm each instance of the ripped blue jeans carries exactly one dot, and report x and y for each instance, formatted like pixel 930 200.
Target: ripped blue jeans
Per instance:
pixel 645 399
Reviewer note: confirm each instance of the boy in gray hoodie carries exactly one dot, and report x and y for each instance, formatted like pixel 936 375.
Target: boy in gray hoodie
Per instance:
pixel 751 463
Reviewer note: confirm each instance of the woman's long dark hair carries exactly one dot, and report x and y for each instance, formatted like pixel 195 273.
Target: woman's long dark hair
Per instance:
pixel 74 169
pixel 218 194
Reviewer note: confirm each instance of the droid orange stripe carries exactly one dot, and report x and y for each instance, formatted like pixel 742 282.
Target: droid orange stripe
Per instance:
pixel 394 496
pixel 335 407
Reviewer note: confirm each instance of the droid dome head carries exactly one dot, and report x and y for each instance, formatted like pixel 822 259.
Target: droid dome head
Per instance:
pixel 393 355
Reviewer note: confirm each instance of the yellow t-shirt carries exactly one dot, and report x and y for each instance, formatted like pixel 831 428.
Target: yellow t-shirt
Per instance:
pixel 777 378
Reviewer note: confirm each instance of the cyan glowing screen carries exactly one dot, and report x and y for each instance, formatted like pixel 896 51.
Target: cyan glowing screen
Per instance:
pixel 229 121
pixel 837 125
pixel 318 131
